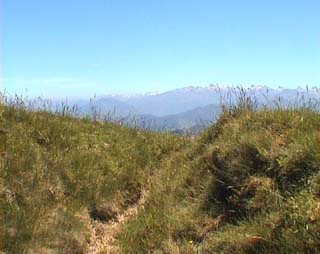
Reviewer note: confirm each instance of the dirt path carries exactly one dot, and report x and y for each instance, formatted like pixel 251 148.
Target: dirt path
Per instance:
pixel 102 239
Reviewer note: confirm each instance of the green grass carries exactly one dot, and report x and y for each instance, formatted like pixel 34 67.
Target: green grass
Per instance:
pixel 248 184
pixel 54 166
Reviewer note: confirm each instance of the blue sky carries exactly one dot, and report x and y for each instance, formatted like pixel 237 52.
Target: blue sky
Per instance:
pixel 77 48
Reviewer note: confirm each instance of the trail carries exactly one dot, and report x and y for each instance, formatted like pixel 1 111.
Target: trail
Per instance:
pixel 102 238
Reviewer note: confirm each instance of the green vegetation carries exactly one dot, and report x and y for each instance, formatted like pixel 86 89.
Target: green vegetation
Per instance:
pixel 54 166
pixel 248 184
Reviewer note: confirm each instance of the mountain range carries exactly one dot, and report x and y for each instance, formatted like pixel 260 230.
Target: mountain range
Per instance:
pixel 186 108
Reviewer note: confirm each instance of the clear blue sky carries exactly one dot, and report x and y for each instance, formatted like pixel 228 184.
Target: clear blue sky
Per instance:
pixel 78 48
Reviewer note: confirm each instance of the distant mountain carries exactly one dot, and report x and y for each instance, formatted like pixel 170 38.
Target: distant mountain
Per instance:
pixel 186 107
pixel 200 116
pixel 176 101
pixel 188 98
pixel 106 106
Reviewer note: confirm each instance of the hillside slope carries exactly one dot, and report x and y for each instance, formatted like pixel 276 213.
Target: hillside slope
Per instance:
pixel 248 184
pixel 54 168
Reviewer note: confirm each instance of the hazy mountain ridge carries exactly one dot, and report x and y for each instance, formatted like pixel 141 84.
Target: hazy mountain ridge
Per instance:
pixel 186 107
pixel 200 117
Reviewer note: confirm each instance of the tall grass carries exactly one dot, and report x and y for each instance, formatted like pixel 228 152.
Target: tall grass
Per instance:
pixel 247 184
pixel 55 166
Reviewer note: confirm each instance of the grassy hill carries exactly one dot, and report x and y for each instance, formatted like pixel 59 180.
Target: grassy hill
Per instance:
pixel 54 166
pixel 248 184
